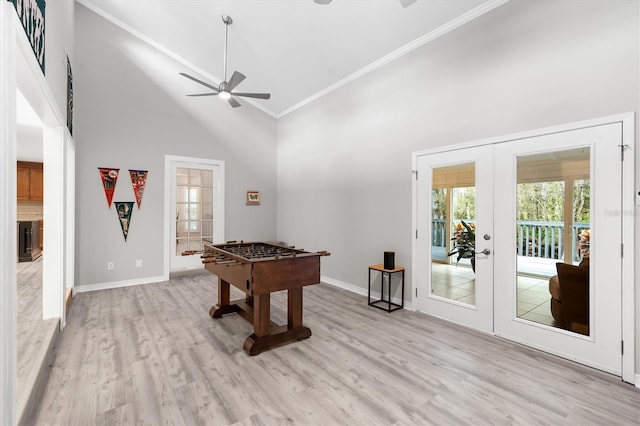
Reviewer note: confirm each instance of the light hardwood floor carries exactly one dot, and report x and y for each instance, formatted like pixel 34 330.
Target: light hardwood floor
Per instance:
pixel 35 338
pixel 151 355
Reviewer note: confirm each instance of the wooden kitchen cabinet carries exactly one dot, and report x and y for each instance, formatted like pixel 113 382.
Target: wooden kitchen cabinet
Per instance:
pixel 24 180
pixel 30 181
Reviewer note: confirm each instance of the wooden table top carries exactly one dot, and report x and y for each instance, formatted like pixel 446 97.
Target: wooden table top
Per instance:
pixel 380 267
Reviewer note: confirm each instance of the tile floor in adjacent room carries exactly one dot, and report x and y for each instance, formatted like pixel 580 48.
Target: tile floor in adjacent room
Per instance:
pixel 458 283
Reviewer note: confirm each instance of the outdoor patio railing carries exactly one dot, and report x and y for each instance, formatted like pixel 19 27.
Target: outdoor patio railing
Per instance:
pixel 534 238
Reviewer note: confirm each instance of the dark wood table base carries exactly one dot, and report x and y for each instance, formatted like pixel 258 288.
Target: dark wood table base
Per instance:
pixel 257 310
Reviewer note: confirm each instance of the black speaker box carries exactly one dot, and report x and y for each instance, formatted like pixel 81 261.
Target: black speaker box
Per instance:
pixel 389 260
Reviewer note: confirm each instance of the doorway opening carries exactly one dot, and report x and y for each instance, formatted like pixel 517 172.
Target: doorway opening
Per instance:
pixel 195 210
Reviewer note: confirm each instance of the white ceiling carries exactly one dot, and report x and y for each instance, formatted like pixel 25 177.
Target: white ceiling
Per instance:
pixel 295 49
pixel 29 131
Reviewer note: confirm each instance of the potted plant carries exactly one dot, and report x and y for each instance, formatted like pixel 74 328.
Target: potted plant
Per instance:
pixel 464 243
pixel 584 239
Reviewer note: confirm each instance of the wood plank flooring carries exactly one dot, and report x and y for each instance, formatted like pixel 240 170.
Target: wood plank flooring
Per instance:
pixel 35 338
pixel 151 355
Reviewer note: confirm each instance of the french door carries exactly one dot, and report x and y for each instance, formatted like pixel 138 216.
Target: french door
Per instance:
pixel 195 207
pixel 522 238
pixel 586 325
pixel 455 192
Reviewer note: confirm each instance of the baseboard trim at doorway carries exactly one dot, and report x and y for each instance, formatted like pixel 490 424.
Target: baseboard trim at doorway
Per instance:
pixel 117 284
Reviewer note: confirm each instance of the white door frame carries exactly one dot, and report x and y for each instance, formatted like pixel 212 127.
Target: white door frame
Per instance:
pixel 628 219
pixel 8 251
pixel 170 202
pixel 19 68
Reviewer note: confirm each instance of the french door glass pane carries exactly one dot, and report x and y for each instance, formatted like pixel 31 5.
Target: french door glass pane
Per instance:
pixel 181 211
pixel 194 194
pixel 182 176
pixel 453 233
pixel 195 177
pixel 207 178
pixel 207 230
pixel 195 244
pixel 182 229
pixel 182 194
pixel 207 210
pixel 194 211
pixel 207 195
pixel 553 234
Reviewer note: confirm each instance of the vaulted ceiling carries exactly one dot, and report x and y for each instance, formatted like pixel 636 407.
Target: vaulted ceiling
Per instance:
pixel 295 49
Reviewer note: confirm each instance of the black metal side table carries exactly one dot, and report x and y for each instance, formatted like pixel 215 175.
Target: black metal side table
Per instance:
pixel 380 304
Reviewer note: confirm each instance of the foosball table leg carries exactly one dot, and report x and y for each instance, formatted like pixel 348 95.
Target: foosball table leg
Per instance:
pixel 224 301
pixel 224 292
pixel 262 315
pixel 294 308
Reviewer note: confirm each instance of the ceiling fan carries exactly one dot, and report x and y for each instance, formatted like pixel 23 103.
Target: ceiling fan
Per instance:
pixel 404 3
pixel 225 88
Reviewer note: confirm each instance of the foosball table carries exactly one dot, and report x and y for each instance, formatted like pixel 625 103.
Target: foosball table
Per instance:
pixel 259 269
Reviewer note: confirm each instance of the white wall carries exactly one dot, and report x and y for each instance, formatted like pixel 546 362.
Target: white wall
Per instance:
pixel 8 252
pixel 344 161
pixel 131 110
pixel 59 27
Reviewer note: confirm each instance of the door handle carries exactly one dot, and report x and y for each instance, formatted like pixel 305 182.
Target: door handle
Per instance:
pixel 485 251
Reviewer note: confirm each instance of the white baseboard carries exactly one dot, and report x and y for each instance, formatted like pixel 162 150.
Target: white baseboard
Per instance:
pixel 637 383
pixel 151 280
pixel 361 291
pixel 117 284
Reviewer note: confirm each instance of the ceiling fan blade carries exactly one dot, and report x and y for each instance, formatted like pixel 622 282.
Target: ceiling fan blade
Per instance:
pixel 200 81
pixel 205 94
pixel 236 79
pixel 253 95
pixel 233 103
pixel 406 3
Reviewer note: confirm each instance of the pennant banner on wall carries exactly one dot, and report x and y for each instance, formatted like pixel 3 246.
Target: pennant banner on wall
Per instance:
pixel 31 15
pixel 109 178
pixel 69 97
pixel 138 180
pixel 124 210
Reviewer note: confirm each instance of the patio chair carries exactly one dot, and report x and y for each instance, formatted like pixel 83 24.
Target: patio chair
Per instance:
pixel 570 296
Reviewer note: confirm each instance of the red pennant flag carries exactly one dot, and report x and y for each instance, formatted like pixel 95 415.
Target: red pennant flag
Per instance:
pixel 138 180
pixel 109 178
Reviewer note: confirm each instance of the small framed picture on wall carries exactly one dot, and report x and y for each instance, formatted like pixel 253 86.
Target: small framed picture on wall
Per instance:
pixel 253 197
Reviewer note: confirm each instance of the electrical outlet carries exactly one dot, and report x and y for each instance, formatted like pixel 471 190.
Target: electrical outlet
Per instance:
pixel 139 263
pixel 109 266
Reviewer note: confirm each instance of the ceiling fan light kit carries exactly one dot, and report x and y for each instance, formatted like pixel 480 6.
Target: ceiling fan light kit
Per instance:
pixel 225 88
